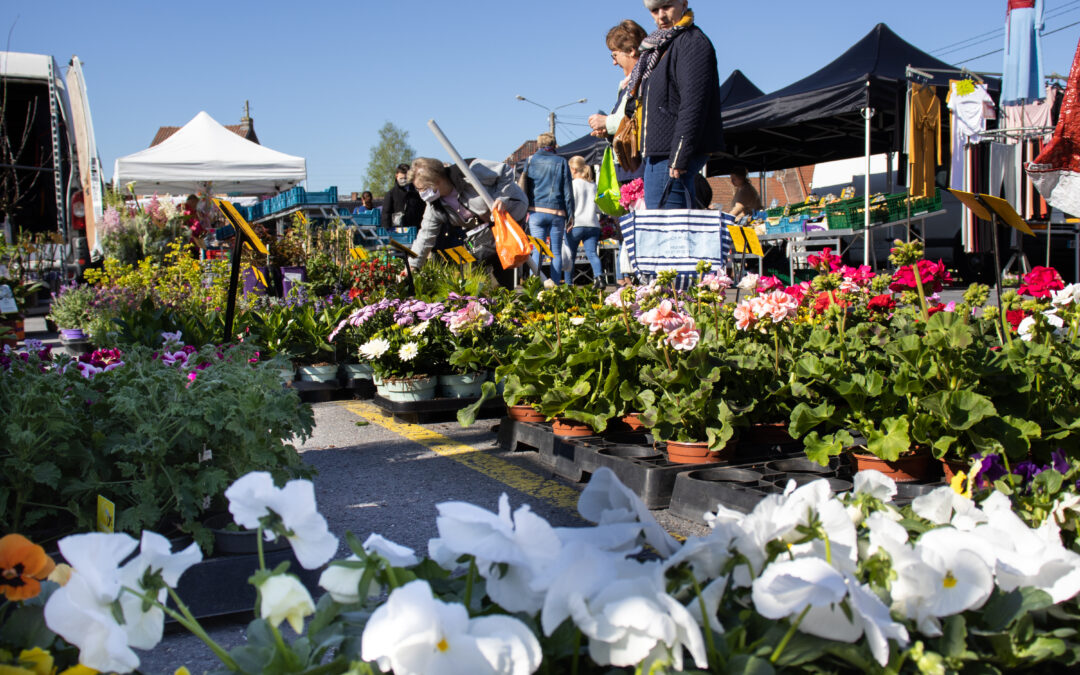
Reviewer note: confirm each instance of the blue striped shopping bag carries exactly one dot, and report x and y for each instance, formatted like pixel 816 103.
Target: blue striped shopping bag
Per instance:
pixel 658 239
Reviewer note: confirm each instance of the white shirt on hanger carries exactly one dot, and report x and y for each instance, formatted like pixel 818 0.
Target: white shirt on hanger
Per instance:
pixel 971 112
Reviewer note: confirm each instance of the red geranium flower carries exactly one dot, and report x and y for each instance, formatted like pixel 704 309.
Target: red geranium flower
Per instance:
pixel 933 276
pixel 1040 281
pixel 882 303
pixel 826 262
pixel 1014 317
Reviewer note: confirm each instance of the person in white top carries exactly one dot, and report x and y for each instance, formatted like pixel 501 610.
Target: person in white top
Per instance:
pixel 585 226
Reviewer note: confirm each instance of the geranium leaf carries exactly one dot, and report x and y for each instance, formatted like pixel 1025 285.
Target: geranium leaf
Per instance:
pixel 890 440
pixel 821 449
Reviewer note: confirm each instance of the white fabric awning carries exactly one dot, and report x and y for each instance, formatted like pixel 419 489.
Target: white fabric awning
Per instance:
pixel 203 153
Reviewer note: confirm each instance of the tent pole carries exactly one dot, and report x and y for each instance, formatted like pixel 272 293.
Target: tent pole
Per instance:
pixel 867 113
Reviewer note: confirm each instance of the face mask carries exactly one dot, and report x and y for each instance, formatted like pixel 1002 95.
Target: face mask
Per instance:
pixel 403 181
pixel 429 195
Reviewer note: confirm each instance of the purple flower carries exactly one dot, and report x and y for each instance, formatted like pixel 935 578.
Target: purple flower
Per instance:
pixel 1028 470
pixel 1059 461
pixel 992 469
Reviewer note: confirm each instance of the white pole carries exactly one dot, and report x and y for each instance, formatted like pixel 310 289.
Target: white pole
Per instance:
pixel 477 185
pixel 867 113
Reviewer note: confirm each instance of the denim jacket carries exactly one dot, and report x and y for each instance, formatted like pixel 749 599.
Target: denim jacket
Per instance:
pixel 548 182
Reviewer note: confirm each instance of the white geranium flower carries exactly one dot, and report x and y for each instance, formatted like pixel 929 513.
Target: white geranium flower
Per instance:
pixel 144 628
pixel 577 320
pixel 1070 295
pixel 605 500
pixel 749 281
pixel 408 351
pixel 81 610
pixel 283 598
pixel 254 495
pixel 416 633
pixel 374 348
pixel 342 582
pixel 523 541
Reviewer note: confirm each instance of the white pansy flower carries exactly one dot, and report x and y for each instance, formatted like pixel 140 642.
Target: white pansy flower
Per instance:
pixel 416 633
pixel 144 628
pixel 875 484
pixel 81 610
pixel 408 351
pixel 374 348
pixel 510 549
pixel 342 582
pixel 605 500
pixel 943 506
pixel 787 587
pixel 254 495
pixel 283 598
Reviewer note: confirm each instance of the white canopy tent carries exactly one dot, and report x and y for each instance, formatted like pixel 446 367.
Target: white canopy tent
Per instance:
pixel 203 154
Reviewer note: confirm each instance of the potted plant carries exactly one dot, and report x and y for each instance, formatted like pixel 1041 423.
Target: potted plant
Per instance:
pixel 471 333
pixel 288 255
pixel 315 356
pixel 403 349
pixel 72 310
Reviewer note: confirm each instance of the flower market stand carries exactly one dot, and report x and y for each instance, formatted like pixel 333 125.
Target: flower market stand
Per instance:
pixel 435 409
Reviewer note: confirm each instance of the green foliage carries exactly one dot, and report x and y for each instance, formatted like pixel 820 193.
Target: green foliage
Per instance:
pixel 158 440
pixel 391 149
pixel 73 307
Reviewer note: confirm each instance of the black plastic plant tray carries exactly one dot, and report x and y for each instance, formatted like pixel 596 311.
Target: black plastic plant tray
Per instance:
pixel 219 586
pixel 558 453
pixel 436 409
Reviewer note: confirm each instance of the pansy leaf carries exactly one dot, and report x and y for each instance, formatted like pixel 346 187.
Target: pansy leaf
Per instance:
pixel 748 664
pixel 1002 609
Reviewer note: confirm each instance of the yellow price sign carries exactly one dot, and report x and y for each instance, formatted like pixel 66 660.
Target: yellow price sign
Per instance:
pixel 450 253
pixel 259 276
pixel 302 217
pixel 106 515
pixel 464 254
pixel 542 245
pixel 360 253
pixel 241 225
pixel 752 240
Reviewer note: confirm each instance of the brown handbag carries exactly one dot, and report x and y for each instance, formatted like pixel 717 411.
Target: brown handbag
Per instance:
pixel 626 145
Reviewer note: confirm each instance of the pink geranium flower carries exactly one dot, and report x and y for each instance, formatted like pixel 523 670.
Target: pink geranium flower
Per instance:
pixel 861 275
pixel 769 284
pixel 826 262
pixel 745 318
pixel 685 337
pixel 662 317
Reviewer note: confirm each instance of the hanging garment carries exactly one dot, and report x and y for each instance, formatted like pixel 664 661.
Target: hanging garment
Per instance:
pixel 971 112
pixel 924 149
pixel 1031 115
pixel 1003 169
pixel 1022 80
pixel 1056 171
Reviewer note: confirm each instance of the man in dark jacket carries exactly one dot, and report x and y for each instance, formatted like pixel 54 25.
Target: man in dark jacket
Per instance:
pixel 679 89
pixel 402 206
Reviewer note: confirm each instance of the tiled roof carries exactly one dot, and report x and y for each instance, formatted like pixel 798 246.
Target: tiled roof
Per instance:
pixel 245 130
pixel 786 187
pixel 524 151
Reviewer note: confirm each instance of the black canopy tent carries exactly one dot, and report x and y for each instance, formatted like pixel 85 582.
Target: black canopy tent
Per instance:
pixel 588 146
pixel 819 118
pixel 736 89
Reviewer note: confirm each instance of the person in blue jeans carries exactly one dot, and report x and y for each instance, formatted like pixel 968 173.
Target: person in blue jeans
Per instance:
pixel 585 228
pixel 676 83
pixel 548 185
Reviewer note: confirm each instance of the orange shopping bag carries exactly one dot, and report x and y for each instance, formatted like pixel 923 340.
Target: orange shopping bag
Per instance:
pixel 511 243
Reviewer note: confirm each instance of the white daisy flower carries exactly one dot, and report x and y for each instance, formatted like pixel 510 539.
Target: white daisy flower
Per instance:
pixel 408 351
pixel 374 348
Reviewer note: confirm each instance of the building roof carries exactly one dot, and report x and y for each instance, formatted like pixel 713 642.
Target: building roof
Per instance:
pixel 524 151
pixel 245 129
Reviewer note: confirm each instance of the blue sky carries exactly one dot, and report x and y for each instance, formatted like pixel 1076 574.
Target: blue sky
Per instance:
pixel 323 76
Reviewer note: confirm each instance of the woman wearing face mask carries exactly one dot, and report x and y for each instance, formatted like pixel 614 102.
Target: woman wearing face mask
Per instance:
pixel 676 82
pixel 402 206
pixel 454 206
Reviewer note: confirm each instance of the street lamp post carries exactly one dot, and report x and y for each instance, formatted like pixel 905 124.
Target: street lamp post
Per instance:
pixel 551 111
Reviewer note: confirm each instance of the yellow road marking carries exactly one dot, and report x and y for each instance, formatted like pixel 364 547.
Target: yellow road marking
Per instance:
pixel 520 479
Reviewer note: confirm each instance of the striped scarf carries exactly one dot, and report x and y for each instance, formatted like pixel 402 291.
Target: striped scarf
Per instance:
pixel 652 48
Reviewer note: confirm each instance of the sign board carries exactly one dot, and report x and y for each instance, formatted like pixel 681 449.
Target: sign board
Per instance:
pixel 106 515
pixel 542 245
pixel 982 206
pixel 465 254
pixel 745 240
pixel 359 253
pixel 7 300
pixel 241 224
pixel 398 246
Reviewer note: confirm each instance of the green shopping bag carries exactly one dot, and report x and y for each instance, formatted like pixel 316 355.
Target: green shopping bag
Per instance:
pixel 607 187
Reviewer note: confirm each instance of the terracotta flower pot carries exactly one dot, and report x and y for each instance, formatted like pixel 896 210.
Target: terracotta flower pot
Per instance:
pixel 630 422
pixel 524 413
pixel 911 466
pixel 951 467
pixel 566 427
pixel 697 453
pixel 767 433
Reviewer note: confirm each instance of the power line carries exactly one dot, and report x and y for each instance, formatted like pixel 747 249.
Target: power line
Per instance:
pixel 1000 32
pixel 996 51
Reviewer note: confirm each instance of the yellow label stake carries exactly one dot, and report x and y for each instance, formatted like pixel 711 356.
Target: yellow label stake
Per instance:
pixel 106 515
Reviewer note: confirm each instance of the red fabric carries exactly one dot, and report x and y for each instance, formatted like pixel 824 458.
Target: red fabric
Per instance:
pixel 1021 4
pixel 1062 153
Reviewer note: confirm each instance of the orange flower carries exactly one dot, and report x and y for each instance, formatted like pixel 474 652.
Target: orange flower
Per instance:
pixel 23 564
